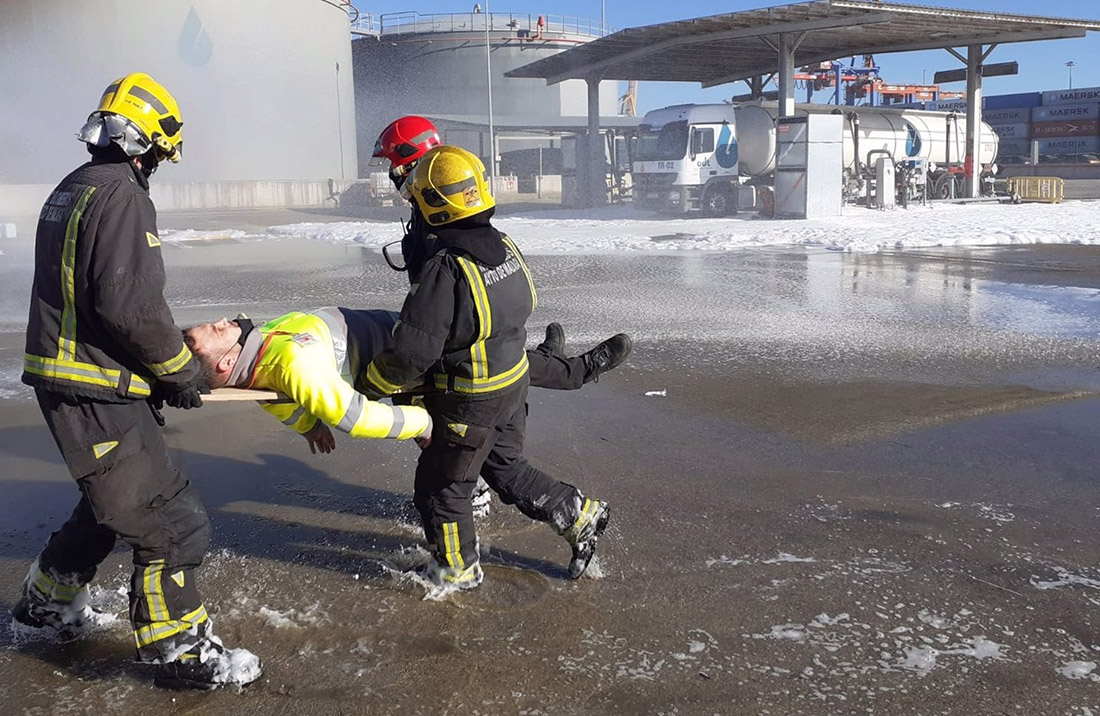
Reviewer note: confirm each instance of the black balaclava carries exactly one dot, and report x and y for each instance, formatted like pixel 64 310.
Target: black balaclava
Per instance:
pixel 414 244
pixel 149 162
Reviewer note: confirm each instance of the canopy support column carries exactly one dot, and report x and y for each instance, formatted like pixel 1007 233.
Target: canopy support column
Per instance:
pixel 786 75
pixel 973 165
pixel 594 189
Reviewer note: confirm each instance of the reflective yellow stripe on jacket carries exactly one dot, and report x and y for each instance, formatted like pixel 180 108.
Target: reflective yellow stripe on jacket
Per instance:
pixel 526 271
pixel 65 366
pixel 479 362
pixel 299 359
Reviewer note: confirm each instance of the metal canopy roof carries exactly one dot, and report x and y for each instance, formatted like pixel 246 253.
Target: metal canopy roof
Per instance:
pixel 723 48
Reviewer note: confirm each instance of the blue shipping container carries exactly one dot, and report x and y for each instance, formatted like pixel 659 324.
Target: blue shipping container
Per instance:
pixel 1071 96
pixel 1006 101
pixel 1012 131
pixel 1007 115
pixel 1066 112
pixel 1074 145
pixel 1013 148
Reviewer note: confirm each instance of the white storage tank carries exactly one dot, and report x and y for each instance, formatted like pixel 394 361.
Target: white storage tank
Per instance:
pixel 265 88
pixel 905 133
pixel 436 65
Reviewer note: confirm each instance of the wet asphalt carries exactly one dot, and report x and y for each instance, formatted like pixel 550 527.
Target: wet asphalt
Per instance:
pixel 841 484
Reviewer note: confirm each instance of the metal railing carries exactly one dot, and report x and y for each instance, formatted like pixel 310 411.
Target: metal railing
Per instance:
pixel 1045 189
pixel 363 24
pixel 525 25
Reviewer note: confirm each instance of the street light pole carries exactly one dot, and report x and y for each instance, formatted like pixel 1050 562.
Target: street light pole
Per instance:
pixel 489 78
pixel 1071 64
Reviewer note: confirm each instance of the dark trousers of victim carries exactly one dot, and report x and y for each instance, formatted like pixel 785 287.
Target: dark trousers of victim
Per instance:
pixel 553 372
pixel 130 490
pixel 472 435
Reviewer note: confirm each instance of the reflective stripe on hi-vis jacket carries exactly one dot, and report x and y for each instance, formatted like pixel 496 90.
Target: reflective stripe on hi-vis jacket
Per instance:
pixel 304 357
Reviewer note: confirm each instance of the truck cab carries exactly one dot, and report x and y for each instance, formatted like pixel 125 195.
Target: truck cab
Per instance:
pixel 686 159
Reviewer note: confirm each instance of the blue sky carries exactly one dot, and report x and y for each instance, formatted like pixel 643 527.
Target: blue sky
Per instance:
pixel 1042 64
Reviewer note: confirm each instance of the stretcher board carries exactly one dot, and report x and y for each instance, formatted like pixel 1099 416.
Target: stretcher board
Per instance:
pixel 227 395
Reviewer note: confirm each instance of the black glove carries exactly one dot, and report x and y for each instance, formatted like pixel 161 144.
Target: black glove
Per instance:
pixel 155 407
pixel 186 398
pixel 180 395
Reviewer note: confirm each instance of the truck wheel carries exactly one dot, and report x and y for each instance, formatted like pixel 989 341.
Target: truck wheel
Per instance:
pixel 941 187
pixel 719 201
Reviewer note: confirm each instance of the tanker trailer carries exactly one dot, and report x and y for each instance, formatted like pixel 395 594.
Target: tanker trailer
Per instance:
pixel 720 157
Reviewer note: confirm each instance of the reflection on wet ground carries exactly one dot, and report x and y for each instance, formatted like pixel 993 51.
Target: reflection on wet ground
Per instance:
pixel 841 484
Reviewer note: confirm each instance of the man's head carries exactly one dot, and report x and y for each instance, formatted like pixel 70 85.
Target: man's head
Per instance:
pixel 403 143
pixel 217 347
pixel 138 118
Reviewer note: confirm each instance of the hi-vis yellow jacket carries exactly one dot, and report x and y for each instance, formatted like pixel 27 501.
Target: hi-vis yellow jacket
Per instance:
pixel 305 356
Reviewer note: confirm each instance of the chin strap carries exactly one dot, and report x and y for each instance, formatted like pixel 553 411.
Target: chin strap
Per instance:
pixel 246 327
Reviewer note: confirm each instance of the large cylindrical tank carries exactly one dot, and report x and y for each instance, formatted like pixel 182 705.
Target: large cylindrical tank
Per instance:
pixel 437 65
pixel 265 88
pixel 905 133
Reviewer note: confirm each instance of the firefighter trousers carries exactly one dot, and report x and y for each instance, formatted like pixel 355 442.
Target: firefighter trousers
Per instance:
pixel 131 490
pixel 472 435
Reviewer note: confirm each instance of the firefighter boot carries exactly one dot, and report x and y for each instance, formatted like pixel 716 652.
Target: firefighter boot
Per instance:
pixel 209 665
pixel 456 577
pixel 554 344
pixel 50 600
pixel 606 356
pixel 483 497
pixel 589 520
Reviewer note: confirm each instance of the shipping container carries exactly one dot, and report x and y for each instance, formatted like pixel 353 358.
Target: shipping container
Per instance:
pixel 1081 128
pixel 1014 148
pixel 1006 101
pixel 1071 96
pixel 1066 112
pixel 1075 145
pixel 1007 116
pixel 1011 131
pixel 948 105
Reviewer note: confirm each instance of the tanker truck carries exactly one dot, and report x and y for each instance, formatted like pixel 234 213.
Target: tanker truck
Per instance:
pixel 718 158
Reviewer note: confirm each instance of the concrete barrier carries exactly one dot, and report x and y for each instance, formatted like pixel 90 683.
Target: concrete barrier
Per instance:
pixel 548 186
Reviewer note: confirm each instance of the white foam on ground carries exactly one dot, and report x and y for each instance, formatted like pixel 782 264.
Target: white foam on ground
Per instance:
pixel 1079 670
pixel 785 557
pixel 293 618
pixel 623 228
pixel 996 513
pixel 595 569
pixel 1065 578
pixel 191 235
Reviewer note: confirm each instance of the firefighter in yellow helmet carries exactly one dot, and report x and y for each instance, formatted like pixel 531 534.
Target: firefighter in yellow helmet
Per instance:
pixel 463 323
pixel 102 354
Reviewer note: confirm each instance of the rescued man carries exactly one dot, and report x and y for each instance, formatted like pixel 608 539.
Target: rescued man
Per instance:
pixel 464 319
pixel 313 358
pixel 101 348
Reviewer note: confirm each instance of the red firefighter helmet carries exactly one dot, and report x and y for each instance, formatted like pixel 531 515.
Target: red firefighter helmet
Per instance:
pixel 404 141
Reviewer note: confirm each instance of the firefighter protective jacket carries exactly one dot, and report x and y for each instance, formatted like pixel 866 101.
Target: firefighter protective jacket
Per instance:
pixel 99 325
pixel 464 319
pixel 309 358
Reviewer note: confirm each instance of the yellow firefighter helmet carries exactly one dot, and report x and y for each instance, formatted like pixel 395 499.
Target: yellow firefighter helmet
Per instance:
pixel 449 184
pixel 137 113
